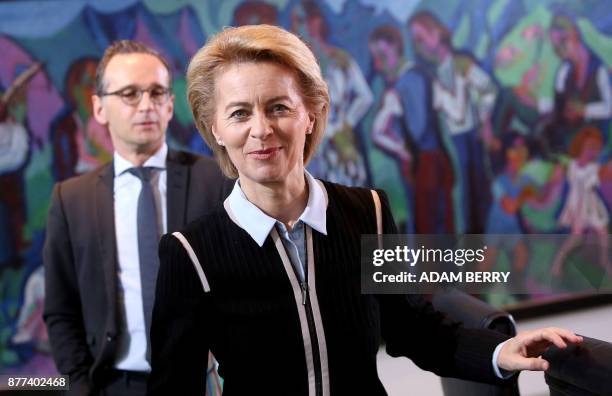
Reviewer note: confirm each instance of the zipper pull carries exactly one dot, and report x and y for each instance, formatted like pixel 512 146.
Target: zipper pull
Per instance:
pixel 304 292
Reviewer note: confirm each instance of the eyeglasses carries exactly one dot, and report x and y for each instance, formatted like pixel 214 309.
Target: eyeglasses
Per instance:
pixel 131 95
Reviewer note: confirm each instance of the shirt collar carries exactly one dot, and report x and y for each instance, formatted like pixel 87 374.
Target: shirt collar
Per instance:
pixel 259 225
pixel 157 160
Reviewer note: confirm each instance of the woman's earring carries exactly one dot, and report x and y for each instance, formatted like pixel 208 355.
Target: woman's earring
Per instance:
pixel 220 143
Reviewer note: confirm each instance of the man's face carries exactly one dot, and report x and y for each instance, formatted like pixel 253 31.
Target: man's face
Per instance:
pixel 139 127
pixel 563 42
pixel 307 27
pixel 386 57
pixel 298 22
pixel 426 41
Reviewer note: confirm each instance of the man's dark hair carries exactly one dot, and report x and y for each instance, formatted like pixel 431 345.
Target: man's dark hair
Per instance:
pixel 389 34
pixel 123 47
pixel 312 10
pixel 431 22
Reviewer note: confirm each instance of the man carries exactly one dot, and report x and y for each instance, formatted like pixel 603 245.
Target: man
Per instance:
pixel 463 96
pixel 582 93
pixel 100 255
pixel 14 156
pixel 339 159
pixel 406 123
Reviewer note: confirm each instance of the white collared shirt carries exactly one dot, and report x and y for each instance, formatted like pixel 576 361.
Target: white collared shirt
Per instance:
pixel 259 225
pixel 132 338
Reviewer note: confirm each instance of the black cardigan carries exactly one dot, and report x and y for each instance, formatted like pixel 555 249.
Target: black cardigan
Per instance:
pixel 270 342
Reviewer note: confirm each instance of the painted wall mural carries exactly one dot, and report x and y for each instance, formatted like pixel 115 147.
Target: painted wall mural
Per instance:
pixel 476 116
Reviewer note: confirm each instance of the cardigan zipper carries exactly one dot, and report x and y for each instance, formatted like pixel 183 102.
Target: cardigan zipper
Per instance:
pixel 316 354
pixel 304 287
pixel 305 310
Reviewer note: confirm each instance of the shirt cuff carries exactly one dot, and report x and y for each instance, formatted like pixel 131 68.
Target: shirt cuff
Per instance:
pixel 500 373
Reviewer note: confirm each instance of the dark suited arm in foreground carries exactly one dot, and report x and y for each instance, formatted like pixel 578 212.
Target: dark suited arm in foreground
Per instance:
pixel 179 337
pixel 411 327
pixel 62 312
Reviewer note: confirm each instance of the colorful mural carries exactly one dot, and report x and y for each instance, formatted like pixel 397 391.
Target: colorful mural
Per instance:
pixel 477 116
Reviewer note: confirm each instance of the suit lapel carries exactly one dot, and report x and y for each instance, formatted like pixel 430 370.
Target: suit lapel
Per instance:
pixel 176 194
pixel 105 224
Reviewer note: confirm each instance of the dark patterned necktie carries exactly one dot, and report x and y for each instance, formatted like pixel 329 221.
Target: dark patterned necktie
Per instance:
pixel 148 240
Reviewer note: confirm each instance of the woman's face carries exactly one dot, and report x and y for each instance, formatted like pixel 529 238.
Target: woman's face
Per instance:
pixel 590 150
pixel 516 156
pixel 262 121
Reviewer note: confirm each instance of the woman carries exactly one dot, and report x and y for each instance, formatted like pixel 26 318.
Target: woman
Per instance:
pixel 233 282
pixel 584 209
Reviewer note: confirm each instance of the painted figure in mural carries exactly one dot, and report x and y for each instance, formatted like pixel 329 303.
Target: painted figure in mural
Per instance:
pixel 30 328
pixel 275 265
pixel 519 106
pixel 582 87
pixel 584 209
pixel 14 152
pixel 405 127
pixel 464 96
pixel 100 254
pixel 30 333
pixel 340 159
pixel 511 189
pixel 80 143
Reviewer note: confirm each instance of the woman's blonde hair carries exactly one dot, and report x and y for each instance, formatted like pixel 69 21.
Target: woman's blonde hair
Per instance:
pixel 255 43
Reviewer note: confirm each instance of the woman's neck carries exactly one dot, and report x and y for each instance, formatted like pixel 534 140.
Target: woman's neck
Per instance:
pixel 284 200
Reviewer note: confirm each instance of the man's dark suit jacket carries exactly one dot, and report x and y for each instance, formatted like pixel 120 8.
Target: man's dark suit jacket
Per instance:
pixel 81 303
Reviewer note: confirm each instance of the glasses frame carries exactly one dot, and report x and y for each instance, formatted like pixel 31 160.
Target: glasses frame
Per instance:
pixel 161 100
